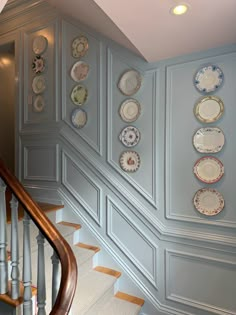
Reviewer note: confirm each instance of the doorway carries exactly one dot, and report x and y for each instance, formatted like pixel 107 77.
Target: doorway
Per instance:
pixel 7 105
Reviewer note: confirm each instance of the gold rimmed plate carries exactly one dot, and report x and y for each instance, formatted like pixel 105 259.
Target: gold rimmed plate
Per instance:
pixel 209 109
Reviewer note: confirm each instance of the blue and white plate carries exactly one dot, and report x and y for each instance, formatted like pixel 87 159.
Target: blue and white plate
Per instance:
pixel 208 79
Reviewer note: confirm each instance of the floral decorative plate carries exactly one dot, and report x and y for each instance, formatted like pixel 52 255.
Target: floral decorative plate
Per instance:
pixel 208 169
pixel 79 118
pixel 79 95
pixel 208 201
pixel 209 140
pixel 130 82
pixel 130 136
pixel 40 44
pixel 38 104
pixel 79 46
pixel 39 84
pixel 130 110
pixel 208 79
pixel 209 109
pixel 38 64
pixel 79 71
pixel 130 161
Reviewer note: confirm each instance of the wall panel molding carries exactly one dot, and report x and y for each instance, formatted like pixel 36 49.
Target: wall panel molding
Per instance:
pixel 176 261
pixel 94 210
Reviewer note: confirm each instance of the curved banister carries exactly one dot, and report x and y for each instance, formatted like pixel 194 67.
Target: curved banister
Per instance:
pixel 65 254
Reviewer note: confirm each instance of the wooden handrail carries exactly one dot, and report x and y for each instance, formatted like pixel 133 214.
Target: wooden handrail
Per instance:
pixel 65 254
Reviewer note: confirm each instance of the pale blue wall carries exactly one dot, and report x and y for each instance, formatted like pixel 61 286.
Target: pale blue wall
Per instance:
pixel 183 262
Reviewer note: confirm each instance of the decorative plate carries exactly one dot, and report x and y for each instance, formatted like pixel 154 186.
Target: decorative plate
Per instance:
pixel 40 44
pixel 38 104
pixel 38 64
pixel 130 161
pixel 130 82
pixel 79 46
pixel 130 136
pixel 209 140
pixel 208 201
pixel 79 95
pixel 208 169
pixel 79 71
pixel 209 109
pixel 79 118
pixel 39 84
pixel 130 110
pixel 208 79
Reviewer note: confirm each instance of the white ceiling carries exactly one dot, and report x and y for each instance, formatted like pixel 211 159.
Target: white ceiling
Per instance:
pixel 147 28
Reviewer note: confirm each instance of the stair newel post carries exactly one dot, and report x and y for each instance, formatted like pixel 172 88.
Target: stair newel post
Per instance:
pixel 3 241
pixel 27 270
pixel 55 277
pixel 41 287
pixel 15 284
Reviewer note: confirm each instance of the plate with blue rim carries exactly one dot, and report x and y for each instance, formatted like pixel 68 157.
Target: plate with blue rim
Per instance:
pixel 208 79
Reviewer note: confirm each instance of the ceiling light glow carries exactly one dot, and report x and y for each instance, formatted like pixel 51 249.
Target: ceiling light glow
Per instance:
pixel 179 9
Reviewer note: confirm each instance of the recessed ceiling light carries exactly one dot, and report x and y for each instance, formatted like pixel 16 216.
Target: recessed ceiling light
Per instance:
pixel 179 9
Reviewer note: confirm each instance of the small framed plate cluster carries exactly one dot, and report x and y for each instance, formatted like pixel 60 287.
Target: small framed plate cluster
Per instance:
pixel 79 72
pixel 208 140
pixel 130 109
pixel 39 47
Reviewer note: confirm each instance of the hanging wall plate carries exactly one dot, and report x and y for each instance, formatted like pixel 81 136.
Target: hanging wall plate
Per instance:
pixel 40 44
pixel 208 201
pixel 79 46
pixel 39 84
pixel 38 64
pixel 130 110
pixel 208 169
pixel 209 140
pixel 208 79
pixel 78 118
pixel 79 71
pixel 130 161
pixel 79 95
pixel 130 82
pixel 209 109
pixel 130 136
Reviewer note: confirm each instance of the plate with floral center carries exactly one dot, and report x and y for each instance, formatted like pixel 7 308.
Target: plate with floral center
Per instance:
pixel 79 46
pixel 208 201
pixel 79 95
pixel 38 64
pixel 130 161
pixel 130 136
pixel 79 71
pixel 208 79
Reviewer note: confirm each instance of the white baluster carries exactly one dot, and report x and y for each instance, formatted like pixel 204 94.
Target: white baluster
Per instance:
pixel 27 271
pixel 15 284
pixel 55 277
pixel 41 288
pixel 3 241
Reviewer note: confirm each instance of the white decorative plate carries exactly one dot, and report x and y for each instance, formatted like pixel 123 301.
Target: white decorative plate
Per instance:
pixel 209 140
pixel 40 44
pixel 79 95
pixel 79 46
pixel 130 136
pixel 39 84
pixel 130 161
pixel 130 82
pixel 208 201
pixel 209 109
pixel 79 71
pixel 79 118
pixel 38 64
pixel 130 110
pixel 208 79
pixel 38 104
pixel 208 169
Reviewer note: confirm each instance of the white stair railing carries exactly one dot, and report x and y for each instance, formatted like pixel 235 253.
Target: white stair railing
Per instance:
pixel 41 288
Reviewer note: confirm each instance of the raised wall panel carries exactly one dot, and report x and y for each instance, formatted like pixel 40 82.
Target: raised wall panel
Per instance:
pixel 82 187
pixel 145 179
pixel 91 132
pixel 206 283
pixel 50 95
pixel 181 124
pixel 132 241
pixel 41 162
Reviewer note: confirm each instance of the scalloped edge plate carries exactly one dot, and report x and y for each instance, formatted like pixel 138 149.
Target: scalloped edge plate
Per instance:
pixel 130 82
pixel 130 161
pixel 130 136
pixel 208 79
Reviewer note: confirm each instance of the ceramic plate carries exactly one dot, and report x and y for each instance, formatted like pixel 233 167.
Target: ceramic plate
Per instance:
pixel 208 169
pixel 208 201
pixel 38 64
pixel 209 140
pixel 79 46
pixel 79 71
pixel 130 82
pixel 209 109
pixel 38 104
pixel 130 110
pixel 208 79
pixel 39 84
pixel 79 118
pixel 130 161
pixel 79 95
pixel 40 44
pixel 130 136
